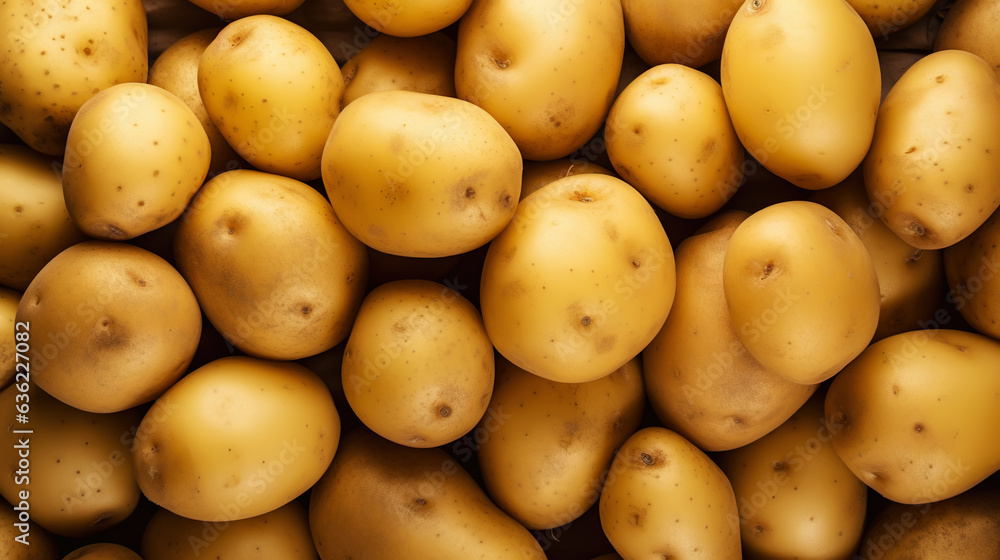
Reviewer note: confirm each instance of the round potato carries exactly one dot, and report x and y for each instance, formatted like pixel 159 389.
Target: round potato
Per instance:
pixel 934 165
pixel 408 18
pixel 73 470
pixel 801 289
pixel 688 33
pixel 425 64
pixel 546 71
pixel 273 90
pixel 401 173
pixel 236 438
pixel 580 281
pixel 802 85
pixel 135 155
pixel 109 315
pixel 102 551
pixel 973 270
pixel 300 304
pixel 972 25
pixel 669 135
pixel 282 534
pixel 537 174
pixel 885 17
pixel 418 367
pixel 37 225
pixel 58 55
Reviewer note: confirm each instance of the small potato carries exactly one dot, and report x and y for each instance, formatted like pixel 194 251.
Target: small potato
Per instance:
pixel 884 17
pixel 15 544
pixel 236 438
pixel 9 300
pixel 669 136
pixel 801 289
pixel 36 224
pixel 135 155
pixel 236 9
pixel 689 33
pixel 418 367
pixel 102 551
pixel 80 478
pixel 973 270
pixel 280 123
pixel 425 64
pixel 408 18
pixel 974 26
pixel 537 174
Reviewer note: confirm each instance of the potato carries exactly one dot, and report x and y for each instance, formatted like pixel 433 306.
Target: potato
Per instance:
pixel 408 18
pixel 37 225
pixel 648 505
pixel 74 470
pixel 912 434
pixel 973 270
pixel 236 9
pixel 106 314
pixel 279 123
pixel 971 25
pixel 418 366
pixel 669 135
pixel 23 539
pixel 678 32
pixel 9 300
pixel 102 551
pixel 547 70
pixel 802 290
pixel 401 173
pixel 304 300
pixel 797 498
pixel 537 174
pixel 176 70
pixel 435 508
pixel 909 279
pixel 934 164
pixel 65 53
pixel 883 18
pixel 580 281
pixel 135 155
pixel 550 443
pixel 282 534
pixel 236 438
pixel 701 380
pixel 802 85
pixel 425 64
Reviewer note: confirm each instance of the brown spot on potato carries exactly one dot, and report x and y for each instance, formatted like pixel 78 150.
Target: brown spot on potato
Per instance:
pixel 767 269
pixel 915 228
pixel 605 343
pixel 636 516
pixel 585 321
pixel 918 427
pixel 611 230
pixel 582 196
pixel 505 200
pixel 444 411
pixel 914 256
pixel 939 79
pixel 707 150
pixel 115 232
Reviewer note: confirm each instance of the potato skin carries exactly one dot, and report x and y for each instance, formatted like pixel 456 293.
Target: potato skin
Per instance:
pixel 883 18
pixel 664 496
pixel 934 163
pixel 425 64
pixel 236 438
pixel 236 9
pixel 971 25
pixel 972 267
pixel 691 34
pixel 408 18
pixel 102 551
pixel 537 174
pixel 913 435
pixel 42 545
pixel 433 505
pixel 9 300
pixel 559 437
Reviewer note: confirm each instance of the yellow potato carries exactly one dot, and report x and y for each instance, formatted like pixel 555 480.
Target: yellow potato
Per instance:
pixel 973 270
pixel 176 70
pixel 669 135
pixel 36 224
pixel 102 551
pixel 701 380
pixel 550 443
pixel 801 81
pixel 418 366
pixel 801 289
pixel 23 539
pixel 279 123
pixel 236 438
pixel 885 17
pixel 797 498
pixel 425 64
pixel 546 70
pixel 912 434
pixel 58 55
pixel 282 534
pixel 135 155
pixel 408 18
pixel 665 498
pixel 689 33
pixel 934 165
pixel 236 9
pixel 971 25
pixel 434 507
pixel 580 281
pixel 537 174
pixel 304 300
pixel 106 314
pixel 399 172
pixel 9 300
pixel 73 470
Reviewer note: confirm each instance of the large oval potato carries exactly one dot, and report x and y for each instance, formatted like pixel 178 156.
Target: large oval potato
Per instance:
pixel 425 64
pixel 580 281
pixel 418 367
pixel 421 175
pixel 801 289
pixel 972 267
pixel 304 300
pixel 546 70
pixel 801 81
pixel 934 164
pixel 236 438
pixel 105 314
pixel 911 433
pixel 689 33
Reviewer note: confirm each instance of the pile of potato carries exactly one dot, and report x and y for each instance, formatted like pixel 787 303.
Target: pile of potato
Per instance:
pixel 566 279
